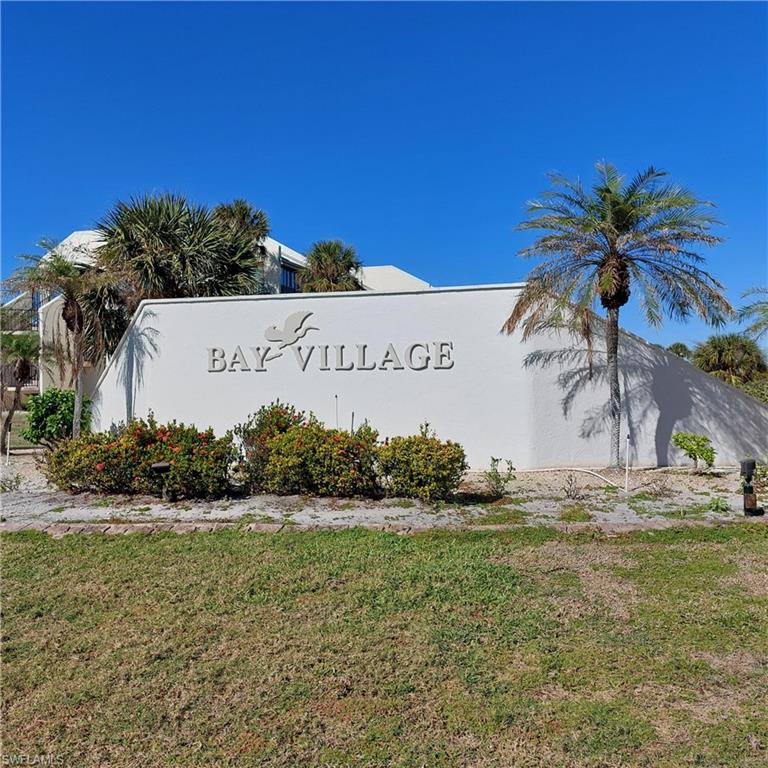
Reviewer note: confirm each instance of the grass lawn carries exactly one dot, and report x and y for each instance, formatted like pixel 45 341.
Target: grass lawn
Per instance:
pixel 523 648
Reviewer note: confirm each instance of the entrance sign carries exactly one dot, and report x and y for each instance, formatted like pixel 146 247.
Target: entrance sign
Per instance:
pixel 398 359
pixel 417 356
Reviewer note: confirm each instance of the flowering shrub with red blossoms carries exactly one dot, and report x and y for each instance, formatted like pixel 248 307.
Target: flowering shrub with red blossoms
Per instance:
pixel 256 436
pixel 308 458
pixel 120 461
pixel 284 451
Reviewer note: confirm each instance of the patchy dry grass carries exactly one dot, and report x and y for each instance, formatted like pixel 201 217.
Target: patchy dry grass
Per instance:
pixel 575 513
pixel 500 515
pixel 521 648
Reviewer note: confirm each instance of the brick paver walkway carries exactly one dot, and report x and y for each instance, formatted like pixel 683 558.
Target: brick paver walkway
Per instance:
pixel 57 530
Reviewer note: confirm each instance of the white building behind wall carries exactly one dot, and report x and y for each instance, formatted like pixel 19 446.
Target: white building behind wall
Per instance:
pixel 399 358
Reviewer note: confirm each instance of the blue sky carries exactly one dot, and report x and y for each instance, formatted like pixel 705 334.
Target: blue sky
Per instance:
pixel 416 132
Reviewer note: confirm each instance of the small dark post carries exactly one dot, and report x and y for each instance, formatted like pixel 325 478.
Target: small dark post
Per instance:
pixel 162 468
pixel 748 467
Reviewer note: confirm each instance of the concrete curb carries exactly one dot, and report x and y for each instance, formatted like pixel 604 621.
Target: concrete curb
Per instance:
pixel 57 530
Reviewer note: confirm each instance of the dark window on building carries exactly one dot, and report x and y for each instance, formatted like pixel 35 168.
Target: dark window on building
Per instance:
pixel 288 280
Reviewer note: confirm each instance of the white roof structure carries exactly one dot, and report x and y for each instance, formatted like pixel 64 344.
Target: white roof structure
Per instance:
pixel 284 252
pixel 79 245
pixel 389 278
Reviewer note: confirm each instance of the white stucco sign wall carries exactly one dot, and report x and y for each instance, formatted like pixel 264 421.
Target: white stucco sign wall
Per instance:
pixel 399 359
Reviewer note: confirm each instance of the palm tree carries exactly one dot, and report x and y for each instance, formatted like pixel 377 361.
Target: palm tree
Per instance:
pixel 731 357
pixel 680 349
pixel 164 246
pixel 243 218
pixel 331 266
pixel 756 312
pixel 55 274
pixel 603 242
pixel 20 352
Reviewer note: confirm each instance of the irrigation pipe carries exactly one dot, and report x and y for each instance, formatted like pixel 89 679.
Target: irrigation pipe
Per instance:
pixel 572 469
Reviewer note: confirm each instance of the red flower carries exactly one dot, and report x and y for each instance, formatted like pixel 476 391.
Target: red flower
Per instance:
pixel 100 466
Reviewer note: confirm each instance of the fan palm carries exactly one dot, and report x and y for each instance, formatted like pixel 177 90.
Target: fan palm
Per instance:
pixel 756 312
pixel 167 247
pixel 243 219
pixel 20 354
pixel 603 242
pixel 680 349
pixel 731 357
pixel 331 266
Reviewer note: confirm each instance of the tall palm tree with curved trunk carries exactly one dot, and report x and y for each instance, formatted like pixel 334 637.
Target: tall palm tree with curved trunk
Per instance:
pixel 756 312
pixel 602 243
pixel 731 357
pixel 20 352
pixel 54 274
pixel 331 266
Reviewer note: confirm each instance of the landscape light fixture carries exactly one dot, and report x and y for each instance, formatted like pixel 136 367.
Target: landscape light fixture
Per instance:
pixel 748 467
pixel 162 468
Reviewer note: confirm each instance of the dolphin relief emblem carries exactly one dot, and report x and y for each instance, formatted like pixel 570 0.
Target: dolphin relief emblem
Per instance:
pixel 293 330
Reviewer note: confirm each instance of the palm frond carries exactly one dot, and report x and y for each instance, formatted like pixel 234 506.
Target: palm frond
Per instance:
pixel 756 312
pixel 643 236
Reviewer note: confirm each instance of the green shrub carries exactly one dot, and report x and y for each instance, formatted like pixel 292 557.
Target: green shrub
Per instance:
pixel 308 458
pixel 283 451
pixel 120 461
pixel 497 481
pixel 757 388
pixel 49 417
pixel 421 466
pixel 286 469
pixel 256 435
pixel 760 481
pixel 719 505
pixel 695 447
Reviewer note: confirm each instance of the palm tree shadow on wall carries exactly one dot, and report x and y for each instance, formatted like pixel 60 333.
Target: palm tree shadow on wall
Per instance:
pixel 140 346
pixel 660 393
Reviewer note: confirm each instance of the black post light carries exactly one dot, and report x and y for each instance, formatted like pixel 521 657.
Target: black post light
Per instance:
pixel 748 467
pixel 162 468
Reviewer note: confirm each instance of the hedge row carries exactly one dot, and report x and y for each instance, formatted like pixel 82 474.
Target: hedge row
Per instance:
pixel 286 451
pixel 278 450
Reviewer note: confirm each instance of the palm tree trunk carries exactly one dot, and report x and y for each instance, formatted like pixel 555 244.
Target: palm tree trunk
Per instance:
pixel 9 417
pixel 612 351
pixel 77 411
